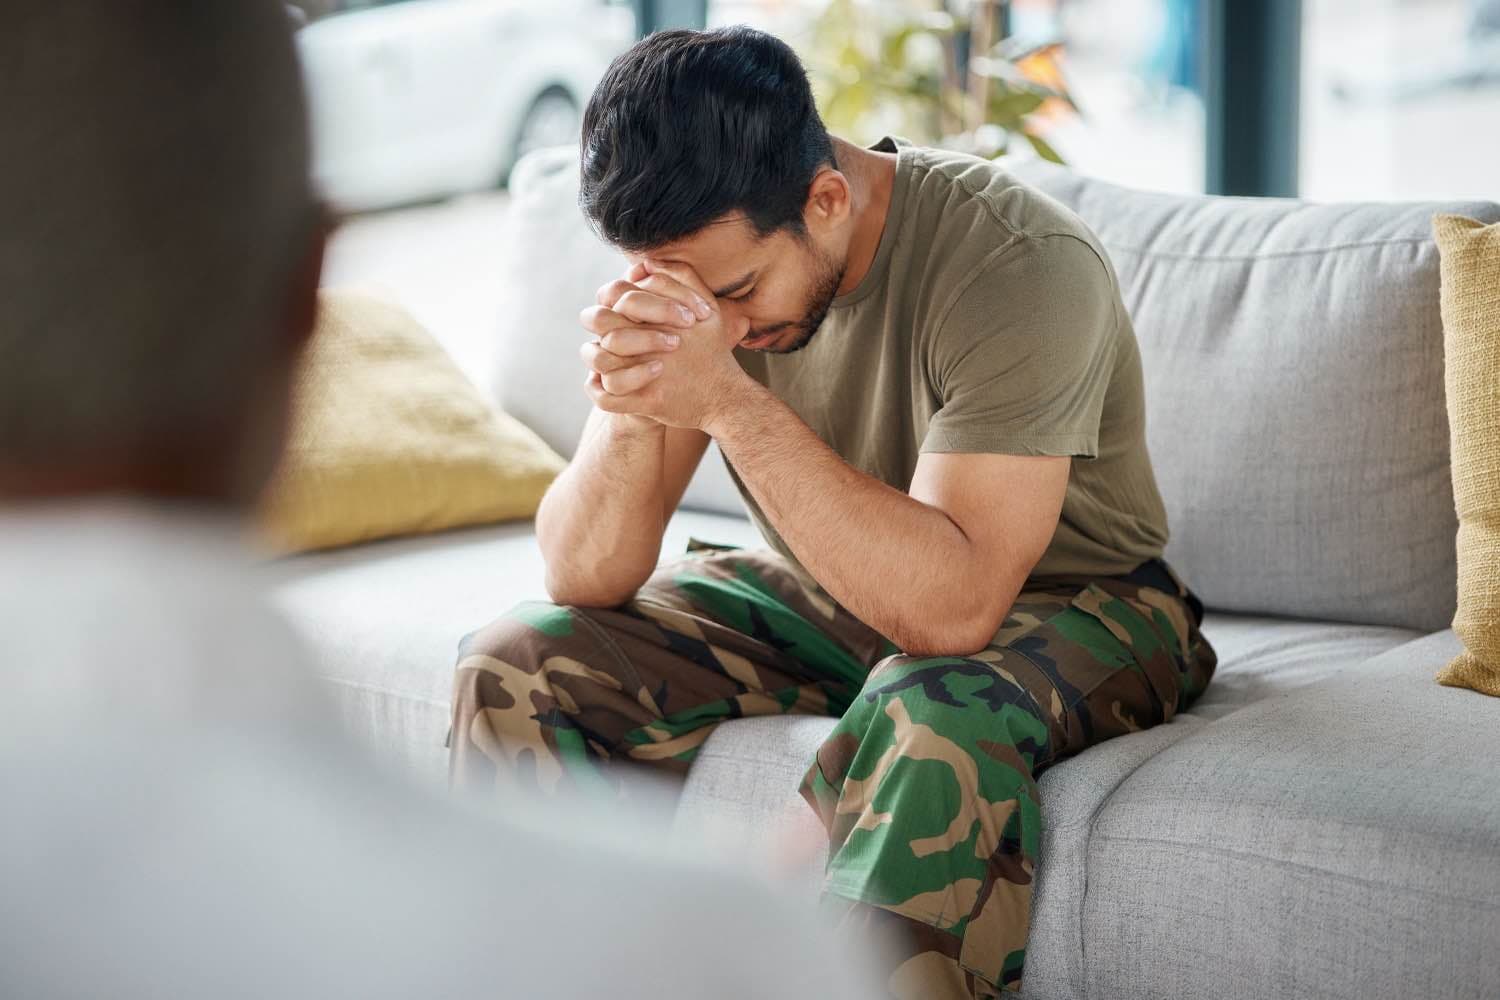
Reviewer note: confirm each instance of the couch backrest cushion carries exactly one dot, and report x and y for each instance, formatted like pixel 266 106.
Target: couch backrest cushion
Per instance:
pixel 550 267
pixel 1293 358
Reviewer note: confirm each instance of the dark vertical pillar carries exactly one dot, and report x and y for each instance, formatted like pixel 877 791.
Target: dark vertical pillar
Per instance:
pixel 645 17
pixel 1252 70
pixel 654 15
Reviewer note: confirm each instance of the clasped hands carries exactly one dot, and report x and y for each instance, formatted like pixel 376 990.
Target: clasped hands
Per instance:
pixel 662 348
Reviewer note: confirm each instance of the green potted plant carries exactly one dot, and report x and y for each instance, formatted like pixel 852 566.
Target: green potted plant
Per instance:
pixel 939 77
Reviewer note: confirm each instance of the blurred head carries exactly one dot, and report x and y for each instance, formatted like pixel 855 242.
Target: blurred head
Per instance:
pixel 705 148
pixel 160 246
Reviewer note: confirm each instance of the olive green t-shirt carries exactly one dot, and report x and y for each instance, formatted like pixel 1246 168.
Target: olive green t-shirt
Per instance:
pixel 990 320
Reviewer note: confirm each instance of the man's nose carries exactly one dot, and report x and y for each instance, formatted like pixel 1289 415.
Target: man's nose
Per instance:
pixel 738 324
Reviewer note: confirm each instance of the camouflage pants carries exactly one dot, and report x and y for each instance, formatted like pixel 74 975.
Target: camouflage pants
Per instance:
pixel 927 785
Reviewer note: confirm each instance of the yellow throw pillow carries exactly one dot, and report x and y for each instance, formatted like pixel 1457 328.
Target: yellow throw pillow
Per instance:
pixel 389 438
pixel 1470 253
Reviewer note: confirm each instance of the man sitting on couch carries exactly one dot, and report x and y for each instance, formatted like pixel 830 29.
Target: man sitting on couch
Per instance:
pixel 929 394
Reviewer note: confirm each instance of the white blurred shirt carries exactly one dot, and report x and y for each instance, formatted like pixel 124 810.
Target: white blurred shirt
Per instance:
pixel 179 816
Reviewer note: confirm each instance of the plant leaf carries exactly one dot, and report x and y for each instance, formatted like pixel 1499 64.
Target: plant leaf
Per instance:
pixel 1043 147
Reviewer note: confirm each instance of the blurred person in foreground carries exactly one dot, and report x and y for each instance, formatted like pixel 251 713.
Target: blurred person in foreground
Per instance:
pixel 929 394
pixel 180 817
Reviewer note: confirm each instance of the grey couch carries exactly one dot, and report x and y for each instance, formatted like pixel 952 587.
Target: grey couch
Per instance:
pixel 1325 820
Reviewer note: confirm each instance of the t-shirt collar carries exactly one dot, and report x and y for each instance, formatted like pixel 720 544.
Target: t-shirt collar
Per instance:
pixel 875 276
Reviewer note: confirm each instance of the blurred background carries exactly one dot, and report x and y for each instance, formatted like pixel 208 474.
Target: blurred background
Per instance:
pixel 422 107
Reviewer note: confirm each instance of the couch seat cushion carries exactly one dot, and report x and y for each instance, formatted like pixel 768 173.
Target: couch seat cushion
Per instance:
pixel 1341 840
pixel 1259 656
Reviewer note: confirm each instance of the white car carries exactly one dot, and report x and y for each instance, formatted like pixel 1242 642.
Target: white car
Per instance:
pixel 420 99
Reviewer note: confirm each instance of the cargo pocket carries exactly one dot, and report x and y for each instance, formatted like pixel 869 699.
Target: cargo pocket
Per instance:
pixel 1129 633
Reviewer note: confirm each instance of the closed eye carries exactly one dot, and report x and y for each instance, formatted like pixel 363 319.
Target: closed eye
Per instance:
pixel 742 297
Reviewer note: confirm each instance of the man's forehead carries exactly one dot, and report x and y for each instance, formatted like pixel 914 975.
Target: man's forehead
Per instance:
pixel 719 252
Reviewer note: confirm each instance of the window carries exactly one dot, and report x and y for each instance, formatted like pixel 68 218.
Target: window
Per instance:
pixel 1400 99
pixel 1133 68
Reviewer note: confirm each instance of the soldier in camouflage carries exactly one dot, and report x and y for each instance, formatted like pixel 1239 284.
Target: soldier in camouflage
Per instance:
pixel 964 536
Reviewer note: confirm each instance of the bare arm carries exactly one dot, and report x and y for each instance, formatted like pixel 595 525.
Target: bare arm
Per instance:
pixel 600 524
pixel 596 527
pixel 936 570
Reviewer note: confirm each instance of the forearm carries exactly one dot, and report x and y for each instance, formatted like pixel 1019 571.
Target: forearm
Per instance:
pixel 600 524
pixel 901 566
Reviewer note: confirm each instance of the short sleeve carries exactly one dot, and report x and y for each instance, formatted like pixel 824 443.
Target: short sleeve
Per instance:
pixel 1022 354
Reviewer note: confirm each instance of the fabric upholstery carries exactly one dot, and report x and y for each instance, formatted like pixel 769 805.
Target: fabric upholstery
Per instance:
pixel 1293 362
pixel 1340 840
pixel 1273 655
pixel 1471 342
pixel 389 438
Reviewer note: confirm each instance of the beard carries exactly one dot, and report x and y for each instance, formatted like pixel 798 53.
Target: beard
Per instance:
pixel 826 279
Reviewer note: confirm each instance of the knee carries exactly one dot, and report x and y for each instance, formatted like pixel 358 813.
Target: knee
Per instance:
pixel 505 660
pixel 973 702
pixel 519 635
pixel 501 683
pixel 934 684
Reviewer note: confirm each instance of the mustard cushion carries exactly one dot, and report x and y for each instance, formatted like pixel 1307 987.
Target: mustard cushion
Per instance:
pixel 388 438
pixel 1470 255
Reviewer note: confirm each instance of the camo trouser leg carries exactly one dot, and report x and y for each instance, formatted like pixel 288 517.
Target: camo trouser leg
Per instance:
pixel 927 785
pixel 547 694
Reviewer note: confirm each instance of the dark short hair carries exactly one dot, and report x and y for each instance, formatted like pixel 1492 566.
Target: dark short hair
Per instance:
pixel 686 126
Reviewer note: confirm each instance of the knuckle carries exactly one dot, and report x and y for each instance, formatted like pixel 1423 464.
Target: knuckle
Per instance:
pixel 602 361
pixel 592 317
pixel 662 284
pixel 613 291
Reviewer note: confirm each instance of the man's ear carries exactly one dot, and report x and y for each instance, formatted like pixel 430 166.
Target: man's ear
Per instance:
pixel 302 301
pixel 830 200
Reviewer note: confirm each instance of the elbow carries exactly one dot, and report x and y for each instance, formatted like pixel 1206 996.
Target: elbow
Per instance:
pixel 964 631
pixel 957 641
pixel 959 637
pixel 569 593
